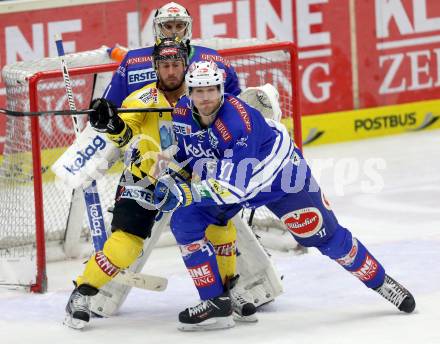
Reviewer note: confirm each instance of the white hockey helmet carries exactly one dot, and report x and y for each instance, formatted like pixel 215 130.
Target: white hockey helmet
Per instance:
pixel 203 74
pixel 172 12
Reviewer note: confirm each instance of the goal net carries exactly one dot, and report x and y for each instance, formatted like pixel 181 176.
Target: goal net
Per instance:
pixel 36 213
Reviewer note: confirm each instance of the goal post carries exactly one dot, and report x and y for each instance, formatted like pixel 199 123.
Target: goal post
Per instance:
pixel 34 209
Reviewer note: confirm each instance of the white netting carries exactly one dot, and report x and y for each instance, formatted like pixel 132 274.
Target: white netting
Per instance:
pixel 17 209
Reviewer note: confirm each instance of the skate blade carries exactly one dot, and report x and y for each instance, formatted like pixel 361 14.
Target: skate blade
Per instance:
pixel 245 318
pixel 76 324
pixel 208 325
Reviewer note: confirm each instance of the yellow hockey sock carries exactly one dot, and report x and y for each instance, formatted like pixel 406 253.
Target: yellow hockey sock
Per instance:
pixel 223 239
pixel 119 252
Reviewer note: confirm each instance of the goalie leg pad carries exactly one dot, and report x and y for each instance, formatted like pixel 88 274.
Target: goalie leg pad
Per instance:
pixel 261 281
pixel 119 251
pixel 223 239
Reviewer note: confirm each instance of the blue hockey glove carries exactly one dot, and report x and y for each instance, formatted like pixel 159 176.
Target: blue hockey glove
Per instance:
pixel 169 195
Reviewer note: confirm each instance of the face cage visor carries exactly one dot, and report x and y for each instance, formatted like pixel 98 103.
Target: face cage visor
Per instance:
pixel 161 32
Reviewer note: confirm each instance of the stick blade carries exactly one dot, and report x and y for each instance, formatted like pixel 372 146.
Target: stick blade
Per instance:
pixel 142 281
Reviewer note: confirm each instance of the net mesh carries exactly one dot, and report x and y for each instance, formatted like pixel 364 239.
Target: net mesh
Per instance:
pixel 17 208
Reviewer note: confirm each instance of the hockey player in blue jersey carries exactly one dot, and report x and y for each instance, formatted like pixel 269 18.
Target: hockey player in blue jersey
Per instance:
pixel 136 69
pixel 239 159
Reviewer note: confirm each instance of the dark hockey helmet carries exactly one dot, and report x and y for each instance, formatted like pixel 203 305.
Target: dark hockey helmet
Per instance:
pixel 170 49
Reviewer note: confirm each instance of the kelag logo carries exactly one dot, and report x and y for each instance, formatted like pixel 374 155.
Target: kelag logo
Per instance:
pixel 82 157
pixel 385 122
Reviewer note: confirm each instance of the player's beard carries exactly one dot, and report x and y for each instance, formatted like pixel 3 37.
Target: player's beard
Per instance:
pixel 171 86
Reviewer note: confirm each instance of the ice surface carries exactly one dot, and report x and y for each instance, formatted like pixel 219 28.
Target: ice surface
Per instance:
pixel 394 211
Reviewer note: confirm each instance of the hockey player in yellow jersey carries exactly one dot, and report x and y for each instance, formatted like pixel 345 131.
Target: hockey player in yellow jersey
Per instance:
pixel 146 135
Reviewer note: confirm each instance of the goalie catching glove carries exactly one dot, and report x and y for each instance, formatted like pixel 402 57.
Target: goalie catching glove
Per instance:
pixel 169 194
pixel 105 118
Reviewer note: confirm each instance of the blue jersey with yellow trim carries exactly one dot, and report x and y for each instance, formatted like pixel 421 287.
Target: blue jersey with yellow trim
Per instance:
pixel 235 158
pixel 136 70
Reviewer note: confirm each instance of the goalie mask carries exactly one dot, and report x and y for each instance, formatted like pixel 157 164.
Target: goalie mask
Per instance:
pixel 172 20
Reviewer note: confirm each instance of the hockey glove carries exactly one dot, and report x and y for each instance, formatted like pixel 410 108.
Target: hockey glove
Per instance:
pixel 105 118
pixel 169 195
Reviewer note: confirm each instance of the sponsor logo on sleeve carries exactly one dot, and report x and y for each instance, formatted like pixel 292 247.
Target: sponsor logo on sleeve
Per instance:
pixel 202 275
pixel 215 58
pixel 121 71
pixel 141 75
pixel 150 95
pixel 241 112
pixel 182 129
pixel 303 223
pixel 180 111
pixel 223 130
pixel 138 60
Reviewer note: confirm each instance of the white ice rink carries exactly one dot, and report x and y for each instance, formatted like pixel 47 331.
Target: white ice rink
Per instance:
pixel 395 212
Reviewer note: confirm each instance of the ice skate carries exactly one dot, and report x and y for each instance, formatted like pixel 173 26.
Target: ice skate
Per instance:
pixel 397 295
pixel 242 306
pixel 78 306
pixel 212 314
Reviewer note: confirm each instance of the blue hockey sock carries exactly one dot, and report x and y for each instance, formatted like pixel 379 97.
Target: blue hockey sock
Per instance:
pixel 200 260
pixel 354 257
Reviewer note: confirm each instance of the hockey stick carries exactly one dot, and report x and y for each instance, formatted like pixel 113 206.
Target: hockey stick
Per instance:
pixel 93 204
pixel 91 196
pixel 142 281
pixel 77 112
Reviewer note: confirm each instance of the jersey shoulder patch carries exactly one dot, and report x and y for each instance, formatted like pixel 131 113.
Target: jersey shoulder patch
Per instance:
pixel 182 108
pixel 139 56
pixel 223 130
pixel 147 96
pixel 241 111
pixel 207 54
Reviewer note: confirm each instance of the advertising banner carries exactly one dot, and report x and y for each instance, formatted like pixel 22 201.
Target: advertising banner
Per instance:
pixel 352 54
